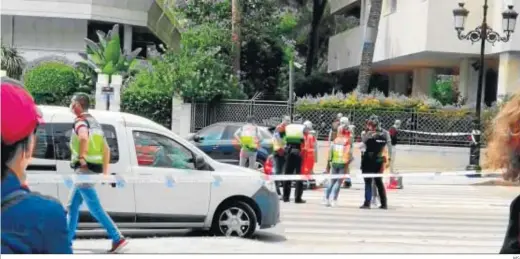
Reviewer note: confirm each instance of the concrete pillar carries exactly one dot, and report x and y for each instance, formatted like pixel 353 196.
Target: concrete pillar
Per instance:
pixel 398 83
pixel 468 81
pixel 127 41
pixel 508 74
pixel 181 117
pixel 422 80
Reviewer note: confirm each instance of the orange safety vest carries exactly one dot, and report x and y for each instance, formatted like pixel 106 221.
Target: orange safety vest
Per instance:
pixel 342 142
pixel 308 159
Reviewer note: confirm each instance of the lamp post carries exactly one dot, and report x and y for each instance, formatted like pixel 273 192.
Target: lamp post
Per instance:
pixel 482 33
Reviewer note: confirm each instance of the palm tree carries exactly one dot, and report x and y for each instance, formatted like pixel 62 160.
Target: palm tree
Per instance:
pixel 235 37
pixel 12 62
pixel 367 55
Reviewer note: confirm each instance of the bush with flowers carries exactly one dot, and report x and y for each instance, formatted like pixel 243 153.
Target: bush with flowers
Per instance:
pixel 378 101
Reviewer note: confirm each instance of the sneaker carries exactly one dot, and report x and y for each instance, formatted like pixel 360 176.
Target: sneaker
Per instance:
pixel 325 202
pixel 365 206
pixel 117 247
pixel 334 203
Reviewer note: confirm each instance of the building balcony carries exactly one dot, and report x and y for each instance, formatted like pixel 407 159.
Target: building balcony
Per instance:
pixel 141 13
pixel 339 5
pixel 418 33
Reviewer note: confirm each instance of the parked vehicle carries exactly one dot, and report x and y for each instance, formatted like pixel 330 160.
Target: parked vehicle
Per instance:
pixel 217 141
pixel 143 148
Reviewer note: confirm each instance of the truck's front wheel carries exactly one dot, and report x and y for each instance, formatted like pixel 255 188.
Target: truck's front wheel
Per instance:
pixel 236 219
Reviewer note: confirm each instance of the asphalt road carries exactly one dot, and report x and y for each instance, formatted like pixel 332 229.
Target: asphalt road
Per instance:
pixel 421 219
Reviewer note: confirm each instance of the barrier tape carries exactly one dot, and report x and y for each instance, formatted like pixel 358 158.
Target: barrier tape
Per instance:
pixel 450 134
pixel 171 180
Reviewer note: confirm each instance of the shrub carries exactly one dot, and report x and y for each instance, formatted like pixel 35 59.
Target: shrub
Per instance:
pixel 444 92
pixel 377 101
pixel 153 104
pixel 52 83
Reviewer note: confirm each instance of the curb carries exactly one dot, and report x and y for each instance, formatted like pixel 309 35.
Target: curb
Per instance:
pixel 497 183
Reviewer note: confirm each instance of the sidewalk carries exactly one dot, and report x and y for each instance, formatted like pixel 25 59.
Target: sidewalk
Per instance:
pixel 412 158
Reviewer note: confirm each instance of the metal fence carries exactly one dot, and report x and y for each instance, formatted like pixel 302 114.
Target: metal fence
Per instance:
pixel 271 112
pixel 203 114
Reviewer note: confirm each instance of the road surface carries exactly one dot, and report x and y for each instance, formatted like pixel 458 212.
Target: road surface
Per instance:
pixel 420 219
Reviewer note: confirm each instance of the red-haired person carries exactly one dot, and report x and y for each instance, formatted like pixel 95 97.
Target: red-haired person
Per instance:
pixel 503 152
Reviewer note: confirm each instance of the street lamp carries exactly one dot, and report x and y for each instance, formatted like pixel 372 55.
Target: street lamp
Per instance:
pixel 482 33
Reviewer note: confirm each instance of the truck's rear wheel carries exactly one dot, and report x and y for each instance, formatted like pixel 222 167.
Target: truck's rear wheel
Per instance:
pixel 236 219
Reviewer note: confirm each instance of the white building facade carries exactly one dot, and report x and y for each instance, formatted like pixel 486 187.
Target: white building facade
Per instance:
pixel 42 29
pixel 417 38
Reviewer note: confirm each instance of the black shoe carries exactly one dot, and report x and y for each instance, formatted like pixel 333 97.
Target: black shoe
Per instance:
pixel 285 199
pixel 365 206
pixel 300 201
pixel 383 207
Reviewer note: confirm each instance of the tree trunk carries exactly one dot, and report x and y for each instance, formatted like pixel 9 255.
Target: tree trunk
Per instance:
pixel 318 7
pixel 235 37
pixel 370 37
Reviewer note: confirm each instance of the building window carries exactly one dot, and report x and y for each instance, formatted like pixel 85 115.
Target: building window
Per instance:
pixel 61 134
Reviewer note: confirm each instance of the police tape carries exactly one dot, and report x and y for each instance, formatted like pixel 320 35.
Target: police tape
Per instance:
pixel 170 180
pixel 447 134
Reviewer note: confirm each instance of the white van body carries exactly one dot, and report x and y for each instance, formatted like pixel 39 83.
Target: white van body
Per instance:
pixel 198 204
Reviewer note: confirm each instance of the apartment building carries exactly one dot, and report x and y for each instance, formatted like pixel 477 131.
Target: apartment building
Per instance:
pixel 417 40
pixel 46 29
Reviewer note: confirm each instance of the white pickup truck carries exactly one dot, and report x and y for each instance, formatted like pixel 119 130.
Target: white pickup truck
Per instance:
pixel 237 206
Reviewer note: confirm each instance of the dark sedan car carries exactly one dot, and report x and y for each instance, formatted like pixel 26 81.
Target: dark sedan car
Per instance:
pixel 216 140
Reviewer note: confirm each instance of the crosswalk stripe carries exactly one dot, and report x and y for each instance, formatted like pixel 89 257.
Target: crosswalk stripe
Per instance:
pixel 441 216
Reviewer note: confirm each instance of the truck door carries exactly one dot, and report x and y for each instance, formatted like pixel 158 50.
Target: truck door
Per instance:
pixel 117 200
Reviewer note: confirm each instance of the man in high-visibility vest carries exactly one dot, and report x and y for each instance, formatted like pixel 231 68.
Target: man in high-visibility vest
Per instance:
pixel 294 145
pixel 248 136
pixel 279 148
pixel 90 154
pixel 339 158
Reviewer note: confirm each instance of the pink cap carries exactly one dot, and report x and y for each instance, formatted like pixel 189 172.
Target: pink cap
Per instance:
pixel 19 115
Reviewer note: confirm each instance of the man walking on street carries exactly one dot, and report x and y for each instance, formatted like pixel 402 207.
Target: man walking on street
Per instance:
pixel 375 140
pixel 90 154
pixel 248 137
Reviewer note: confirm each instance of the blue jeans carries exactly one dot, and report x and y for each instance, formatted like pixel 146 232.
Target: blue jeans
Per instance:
pixel 335 184
pixel 88 194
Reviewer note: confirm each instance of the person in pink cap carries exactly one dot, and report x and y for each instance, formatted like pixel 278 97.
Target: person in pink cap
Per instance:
pixel 31 223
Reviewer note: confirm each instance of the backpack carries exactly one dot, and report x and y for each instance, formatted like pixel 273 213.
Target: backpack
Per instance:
pixel 13 199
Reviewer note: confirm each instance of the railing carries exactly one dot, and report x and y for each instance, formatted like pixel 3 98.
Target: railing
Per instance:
pixel 417 125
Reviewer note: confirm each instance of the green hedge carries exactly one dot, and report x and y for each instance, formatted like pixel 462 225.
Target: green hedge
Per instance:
pixel 52 83
pixel 153 104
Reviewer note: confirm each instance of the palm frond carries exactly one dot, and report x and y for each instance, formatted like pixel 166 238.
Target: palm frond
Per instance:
pixel 12 62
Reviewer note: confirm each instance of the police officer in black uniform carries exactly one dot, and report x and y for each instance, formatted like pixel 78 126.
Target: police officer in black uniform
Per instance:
pixel 375 141
pixel 294 140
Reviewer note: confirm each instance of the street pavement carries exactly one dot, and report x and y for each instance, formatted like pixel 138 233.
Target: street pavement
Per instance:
pixel 422 218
